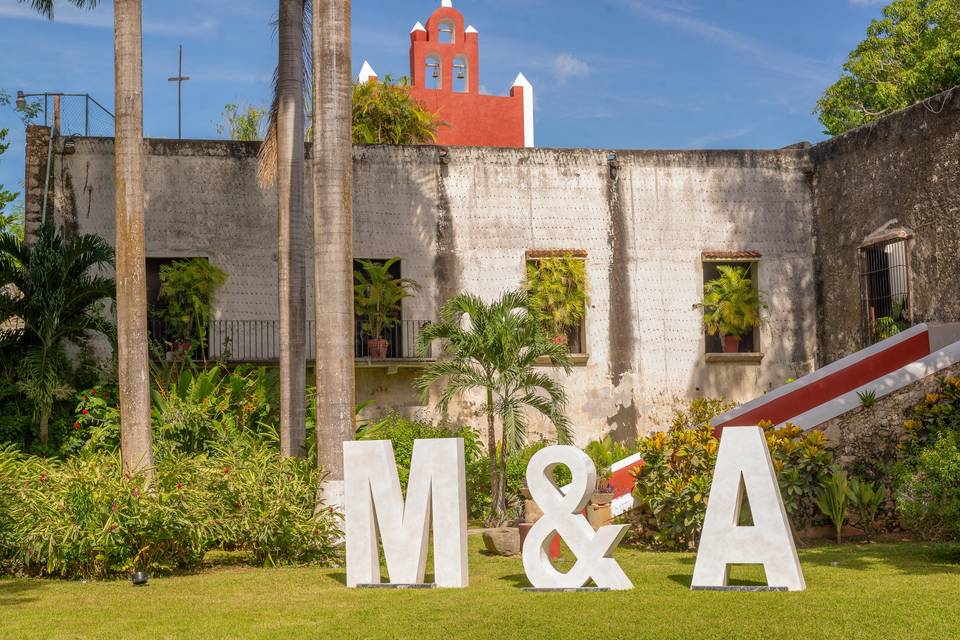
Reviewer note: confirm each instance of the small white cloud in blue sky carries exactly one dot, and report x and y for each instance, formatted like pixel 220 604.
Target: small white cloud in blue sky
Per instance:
pixel 567 66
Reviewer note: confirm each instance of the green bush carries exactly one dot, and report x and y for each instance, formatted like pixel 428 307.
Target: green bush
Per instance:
pixel 928 492
pixel 403 432
pixel 673 484
pixel 937 414
pixel 83 518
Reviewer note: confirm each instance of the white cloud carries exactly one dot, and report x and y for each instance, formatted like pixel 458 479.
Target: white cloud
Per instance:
pixel 566 66
pixel 759 53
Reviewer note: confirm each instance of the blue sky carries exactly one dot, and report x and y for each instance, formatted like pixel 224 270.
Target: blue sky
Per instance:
pixel 607 73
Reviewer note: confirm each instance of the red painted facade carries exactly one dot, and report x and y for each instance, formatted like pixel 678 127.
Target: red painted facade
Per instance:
pixel 450 86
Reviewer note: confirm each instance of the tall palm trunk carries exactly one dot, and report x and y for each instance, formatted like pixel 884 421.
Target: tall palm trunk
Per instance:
pixel 136 443
pixel 290 240
pixel 496 517
pixel 333 233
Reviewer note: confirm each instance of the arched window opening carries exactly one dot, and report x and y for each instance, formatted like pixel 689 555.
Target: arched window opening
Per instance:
pixel 446 32
pixel 461 75
pixel 434 73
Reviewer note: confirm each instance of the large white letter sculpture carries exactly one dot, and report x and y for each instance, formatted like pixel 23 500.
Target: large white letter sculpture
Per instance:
pixel 744 465
pixel 562 512
pixel 373 498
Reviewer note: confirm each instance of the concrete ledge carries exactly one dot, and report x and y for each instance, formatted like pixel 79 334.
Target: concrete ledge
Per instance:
pixel 390 585
pixel 734 358
pixel 566 590
pixel 576 360
pixel 753 589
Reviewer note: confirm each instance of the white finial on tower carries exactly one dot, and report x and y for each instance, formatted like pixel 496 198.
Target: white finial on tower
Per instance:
pixel 523 83
pixel 446 4
pixel 367 73
pixel 471 29
pixel 418 27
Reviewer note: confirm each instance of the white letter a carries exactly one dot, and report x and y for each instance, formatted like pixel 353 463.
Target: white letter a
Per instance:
pixel 744 465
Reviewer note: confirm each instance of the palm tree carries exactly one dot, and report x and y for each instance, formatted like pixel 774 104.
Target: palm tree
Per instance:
pixel 495 348
pixel 50 294
pixel 136 440
pixel 288 119
pixel 333 237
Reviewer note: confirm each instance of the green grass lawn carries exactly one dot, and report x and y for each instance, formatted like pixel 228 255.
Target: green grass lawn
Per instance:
pixel 881 592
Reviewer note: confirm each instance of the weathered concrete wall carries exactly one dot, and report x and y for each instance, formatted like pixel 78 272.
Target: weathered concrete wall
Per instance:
pixel 903 172
pixel 467 224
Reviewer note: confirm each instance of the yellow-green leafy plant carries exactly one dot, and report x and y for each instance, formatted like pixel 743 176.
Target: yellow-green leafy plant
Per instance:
pixel 731 304
pixel 188 289
pixel 557 288
pixel 673 483
pixel 834 499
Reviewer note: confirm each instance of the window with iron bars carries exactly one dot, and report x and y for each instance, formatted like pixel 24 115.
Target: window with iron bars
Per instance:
pixel 885 288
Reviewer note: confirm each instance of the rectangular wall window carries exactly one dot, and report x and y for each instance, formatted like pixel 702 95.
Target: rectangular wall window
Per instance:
pixel 556 281
pixel 747 265
pixel 885 288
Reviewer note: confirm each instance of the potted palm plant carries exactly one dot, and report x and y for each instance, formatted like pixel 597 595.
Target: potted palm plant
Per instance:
pixel 187 292
pixel 378 296
pixel 731 306
pixel 557 289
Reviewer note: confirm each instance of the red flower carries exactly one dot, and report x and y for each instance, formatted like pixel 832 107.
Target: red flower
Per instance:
pixel 76 425
pixel 43 477
pixel 180 486
pixel 93 392
pixel 85 412
pixel 135 493
pixel 226 470
pixel 113 507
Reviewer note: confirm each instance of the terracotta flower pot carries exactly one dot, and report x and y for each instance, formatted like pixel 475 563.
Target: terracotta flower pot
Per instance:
pixel 378 348
pixel 731 344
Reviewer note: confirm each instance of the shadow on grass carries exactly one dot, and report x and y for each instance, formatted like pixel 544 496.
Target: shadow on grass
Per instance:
pixel 910 558
pixel 517 580
pixel 14 592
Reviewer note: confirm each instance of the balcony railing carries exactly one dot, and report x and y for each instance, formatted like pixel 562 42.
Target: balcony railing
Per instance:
pixel 258 341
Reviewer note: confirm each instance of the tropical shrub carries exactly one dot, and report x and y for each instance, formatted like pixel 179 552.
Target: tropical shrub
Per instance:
pixel 51 295
pixel 403 432
pixel 731 304
pixel 268 505
pixel 385 113
pixel 866 498
pixel 558 292
pixel 834 499
pixel 936 415
pixel 673 484
pixel 83 517
pixel 378 296
pixel 928 493
pixel 604 453
pixel 187 292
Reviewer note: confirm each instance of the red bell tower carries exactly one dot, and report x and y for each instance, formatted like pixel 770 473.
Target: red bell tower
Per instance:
pixel 445 73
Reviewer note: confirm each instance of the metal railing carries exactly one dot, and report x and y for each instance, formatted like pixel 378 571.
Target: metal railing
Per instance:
pixel 74 114
pixel 258 341
pixel 885 289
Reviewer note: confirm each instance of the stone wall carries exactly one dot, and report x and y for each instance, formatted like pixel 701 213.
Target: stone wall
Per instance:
pixel 464 222
pixel 901 173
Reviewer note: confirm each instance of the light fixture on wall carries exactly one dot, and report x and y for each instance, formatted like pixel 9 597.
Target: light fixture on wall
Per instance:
pixel 21 101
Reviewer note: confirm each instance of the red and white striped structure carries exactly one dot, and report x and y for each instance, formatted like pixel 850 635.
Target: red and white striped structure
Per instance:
pixel 911 356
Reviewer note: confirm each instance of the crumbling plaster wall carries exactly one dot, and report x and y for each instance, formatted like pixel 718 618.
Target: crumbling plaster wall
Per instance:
pixel 465 222
pixel 900 173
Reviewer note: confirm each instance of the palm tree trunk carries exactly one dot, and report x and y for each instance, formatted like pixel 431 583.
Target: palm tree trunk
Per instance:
pixel 502 489
pixel 333 235
pixel 290 241
pixel 136 443
pixel 44 427
pixel 496 516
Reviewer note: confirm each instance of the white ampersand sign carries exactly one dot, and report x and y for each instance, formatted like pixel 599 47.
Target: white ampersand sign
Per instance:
pixel 563 514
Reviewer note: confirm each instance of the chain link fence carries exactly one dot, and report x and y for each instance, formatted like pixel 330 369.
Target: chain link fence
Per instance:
pixel 75 114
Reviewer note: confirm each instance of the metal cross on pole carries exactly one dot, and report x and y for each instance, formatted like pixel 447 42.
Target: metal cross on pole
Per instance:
pixel 179 79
